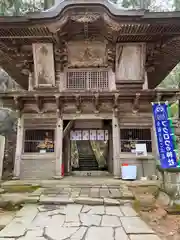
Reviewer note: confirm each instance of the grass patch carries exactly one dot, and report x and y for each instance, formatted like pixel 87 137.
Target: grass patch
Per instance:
pixel 21 188
pixel 136 205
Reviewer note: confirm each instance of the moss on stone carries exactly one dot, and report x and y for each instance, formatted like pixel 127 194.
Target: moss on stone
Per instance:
pixel 136 205
pixel 21 188
pixel 12 207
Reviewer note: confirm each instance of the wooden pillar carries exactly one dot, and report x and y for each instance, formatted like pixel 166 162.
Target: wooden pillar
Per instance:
pixel 59 146
pixel 19 146
pixel 30 87
pixel 116 145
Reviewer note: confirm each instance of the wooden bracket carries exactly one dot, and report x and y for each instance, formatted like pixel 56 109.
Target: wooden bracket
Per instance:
pixel 135 108
pixel 158 97
pixel 116 112
pixel 96 103
pixel 39 102
pixel 59 106
pixel 19 105
pixel 116 100
pixel 78 104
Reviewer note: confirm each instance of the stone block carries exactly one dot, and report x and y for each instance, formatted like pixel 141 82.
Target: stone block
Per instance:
pixel 110 221
pixel 89 201
pixel 134 225
pixel 93 210
pixel 111 202
pixel 144 236
pixel 128 211
pixel 113 210
pixel 31 199
pixel 115 193
pixel 94 192
pixel 55 232
pixel 163 199
pixel 120 234
pixel 6 218
pixel 79 235
pixel 97 233
pixel 55 200
pixel 90 220
pixel 14 229
pixel 72 212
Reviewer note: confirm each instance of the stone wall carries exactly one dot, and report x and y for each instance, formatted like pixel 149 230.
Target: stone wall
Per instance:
pixel 37 166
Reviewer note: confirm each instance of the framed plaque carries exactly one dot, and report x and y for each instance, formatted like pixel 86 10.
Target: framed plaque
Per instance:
pixel 100 135
pixel 85 135
pixel 93 136
pixel 106 135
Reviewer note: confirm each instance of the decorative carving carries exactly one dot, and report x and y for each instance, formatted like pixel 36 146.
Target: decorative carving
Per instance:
pixel 86 17
pixel 87 54
pixel 78 104
pixel 114 26
pixel 19 105
pixel 96 103
pixel 61 55
pixel 44 64
pixel 59 106
pixel 57 26
pixel 116 100
pixel 135 108
pixel 39 102
pixel 111 54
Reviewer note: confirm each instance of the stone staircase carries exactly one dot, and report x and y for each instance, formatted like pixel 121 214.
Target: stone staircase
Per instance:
pixel 87 159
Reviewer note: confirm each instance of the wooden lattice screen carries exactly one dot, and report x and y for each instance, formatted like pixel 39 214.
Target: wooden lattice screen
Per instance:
pixel 87 79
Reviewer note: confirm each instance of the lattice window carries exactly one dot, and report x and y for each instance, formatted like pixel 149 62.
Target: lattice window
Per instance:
pixel 76 80
pixel 88 79
pixel 130 137
pixel 98 80
pixel 39 141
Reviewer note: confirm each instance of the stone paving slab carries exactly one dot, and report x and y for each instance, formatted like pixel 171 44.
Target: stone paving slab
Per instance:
pixel 76 222
pixel 6 218
pixel 134 225
pixel 144 237
pixel 128 211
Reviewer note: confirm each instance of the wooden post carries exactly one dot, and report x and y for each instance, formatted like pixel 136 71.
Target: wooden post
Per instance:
pixel 116 145
pixel 19 146
pixel 2 148
pixel 59 146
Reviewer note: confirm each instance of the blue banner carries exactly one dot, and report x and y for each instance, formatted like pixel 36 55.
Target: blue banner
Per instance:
pixel 164 136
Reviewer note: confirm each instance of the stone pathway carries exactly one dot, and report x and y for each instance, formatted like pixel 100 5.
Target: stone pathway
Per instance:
pixel 77 222
pixel 100 195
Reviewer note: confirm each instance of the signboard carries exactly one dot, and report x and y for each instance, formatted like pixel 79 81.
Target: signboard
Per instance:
pixel 164 135
pixel 92 134
pixel 141 150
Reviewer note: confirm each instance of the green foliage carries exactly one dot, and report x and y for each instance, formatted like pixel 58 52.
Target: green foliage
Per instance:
pixel 20 7
pixel 136 3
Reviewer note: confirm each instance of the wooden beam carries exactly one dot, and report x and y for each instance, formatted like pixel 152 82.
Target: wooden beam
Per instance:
pixel 135 108
pixel 39 102
pixel 78 104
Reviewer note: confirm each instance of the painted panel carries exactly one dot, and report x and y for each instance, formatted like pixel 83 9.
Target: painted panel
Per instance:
pixel 129 62
pixel 44 64
pixel 83 53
